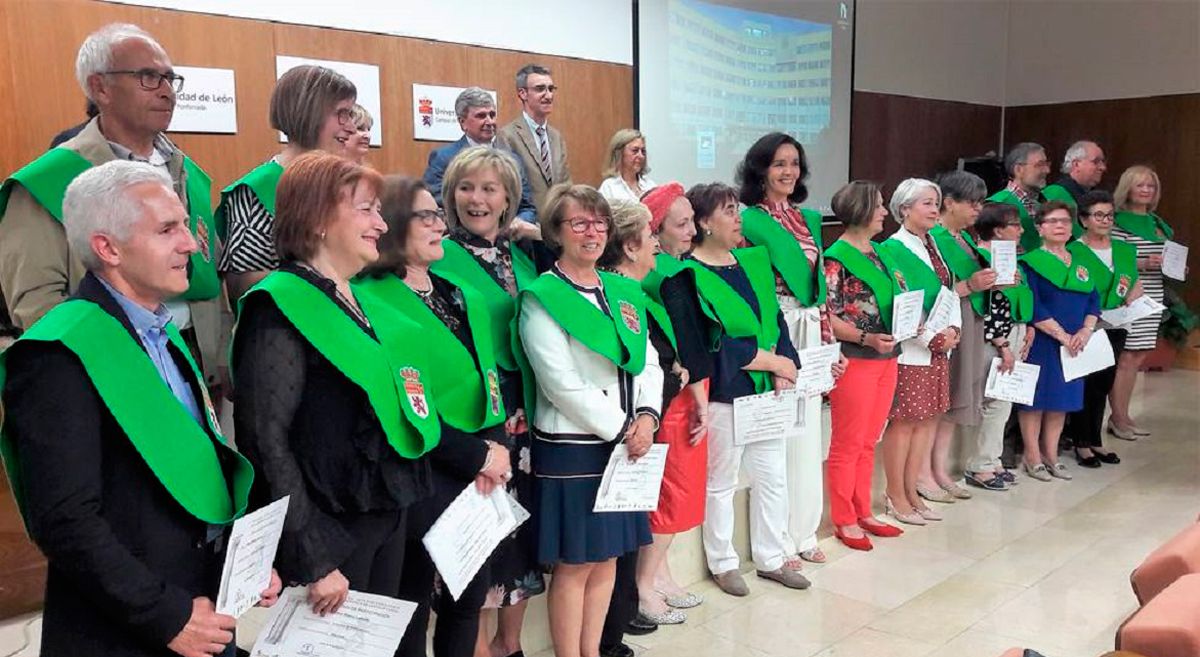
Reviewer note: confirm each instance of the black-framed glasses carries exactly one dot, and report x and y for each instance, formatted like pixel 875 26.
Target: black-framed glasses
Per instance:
pixel 1106 216
pixel 151 79
pixel 580 226
pixel 429 218
pixel 543 88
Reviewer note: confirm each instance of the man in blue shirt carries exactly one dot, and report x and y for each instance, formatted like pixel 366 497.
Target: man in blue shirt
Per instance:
pixel 477 115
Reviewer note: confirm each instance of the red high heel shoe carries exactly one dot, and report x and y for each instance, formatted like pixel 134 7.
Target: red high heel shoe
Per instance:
pixel 880 528
pixel 861 543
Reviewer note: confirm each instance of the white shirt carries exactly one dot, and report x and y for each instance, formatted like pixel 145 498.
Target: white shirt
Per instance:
pixel 615 188
pixel 915 351
pixel 533 127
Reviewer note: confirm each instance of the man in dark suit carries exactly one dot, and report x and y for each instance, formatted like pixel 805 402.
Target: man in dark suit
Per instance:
pixel 477 115
pixel 111 442
pixel 539 146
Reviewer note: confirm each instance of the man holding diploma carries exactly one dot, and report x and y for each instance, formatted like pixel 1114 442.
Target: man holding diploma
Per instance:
pixel 111 441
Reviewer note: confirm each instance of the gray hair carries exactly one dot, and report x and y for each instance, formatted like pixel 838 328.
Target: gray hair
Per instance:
pixel 95 55
pixel 1019 154
pixel 98 201
pixel 469 98
pixel 527 70
pixel 1077 151
pixel 907 193
pixel 962 186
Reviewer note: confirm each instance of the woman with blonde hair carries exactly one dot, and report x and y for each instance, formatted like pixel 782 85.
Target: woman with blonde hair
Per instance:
pixel 358 146
pixel 1136 199
pixel 626 169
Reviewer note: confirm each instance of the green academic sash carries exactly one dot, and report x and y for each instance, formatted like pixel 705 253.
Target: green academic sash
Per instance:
pixel 882 282
pixel 1150 227
pixel 262 180
pixel 182 455
pixel 458 261
pixel 761 229
pixel 962 263
pixel 1057 192
pixel 47 178
pixel 1114 284
pixel 1071 278
pixel 620 338
pixel 466 390
pixel 1020 296
pixel 732 314
pixel 665 266
pixel 1030 239
pixel 914 273
pixel 393 372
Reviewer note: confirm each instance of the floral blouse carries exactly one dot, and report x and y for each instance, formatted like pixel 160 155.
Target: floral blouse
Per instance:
pixel 851 300
pixel 793 221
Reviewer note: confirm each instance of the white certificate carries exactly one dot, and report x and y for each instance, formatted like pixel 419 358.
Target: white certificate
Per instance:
pixel 815 376
pixel 769 416
pixel 631 485
pixel 941 312
pixel 1174 260
pixel 367 625
pixel 906 314
pixel 248 558
pixel 467 533
pixel 1141 307
pixel 1004 261
pixel 1017 386
pixel 1097 355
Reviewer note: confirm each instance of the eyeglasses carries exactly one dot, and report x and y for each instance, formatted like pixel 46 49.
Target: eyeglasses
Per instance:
pixel 1106 216
pixel 1099 160
pixel 151 79
pixel 580 226
pixel 543 88
pixel 343 115
pixel 1015 223
pixel 1057 220
pixel 429 218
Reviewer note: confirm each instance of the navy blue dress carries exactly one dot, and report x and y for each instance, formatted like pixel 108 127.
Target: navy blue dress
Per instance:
pixel 1069 309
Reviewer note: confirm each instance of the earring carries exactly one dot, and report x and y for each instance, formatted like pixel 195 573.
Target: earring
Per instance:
pixel 322 236
pixel 708 232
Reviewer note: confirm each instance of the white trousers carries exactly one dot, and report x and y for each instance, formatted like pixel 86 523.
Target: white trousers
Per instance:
pixel 806 452
pixel 989 441
pixel 765 472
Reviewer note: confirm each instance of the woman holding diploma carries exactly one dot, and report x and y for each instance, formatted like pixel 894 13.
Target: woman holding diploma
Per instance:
pixel 1136 197
pixel 319 409
pixel 456 332
pixel 585 338
pixel 771 180
pixel 498 254
pixel 861 286
pixel 1065 311
pixel 674 303
pixel 1112 266
pixel 752 355
pixel 923 376
pixel 1008 332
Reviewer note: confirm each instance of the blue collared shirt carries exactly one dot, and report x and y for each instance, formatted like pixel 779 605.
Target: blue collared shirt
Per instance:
pixel 151 328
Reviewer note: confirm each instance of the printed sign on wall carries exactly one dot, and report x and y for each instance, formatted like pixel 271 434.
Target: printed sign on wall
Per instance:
pixel 207 102
pixel 434 118
pixel 364 76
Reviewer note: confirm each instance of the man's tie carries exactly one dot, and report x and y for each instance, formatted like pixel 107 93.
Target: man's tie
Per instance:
pixel 545 147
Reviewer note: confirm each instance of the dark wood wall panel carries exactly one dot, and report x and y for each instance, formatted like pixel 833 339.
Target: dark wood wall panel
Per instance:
pixel 896 137
pixel 1162 131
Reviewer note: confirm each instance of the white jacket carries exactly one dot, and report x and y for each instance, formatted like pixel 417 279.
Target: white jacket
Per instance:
pixel 578 390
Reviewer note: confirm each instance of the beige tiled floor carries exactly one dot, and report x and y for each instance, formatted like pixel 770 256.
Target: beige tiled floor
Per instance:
pixel 1045 566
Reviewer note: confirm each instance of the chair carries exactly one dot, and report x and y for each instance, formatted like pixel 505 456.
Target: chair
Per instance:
pixel 1168 625
pixel 1173 559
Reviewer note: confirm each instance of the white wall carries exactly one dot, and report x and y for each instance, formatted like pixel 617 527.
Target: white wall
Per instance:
pixel 941 49
pixel 599 30
pixel 1065 51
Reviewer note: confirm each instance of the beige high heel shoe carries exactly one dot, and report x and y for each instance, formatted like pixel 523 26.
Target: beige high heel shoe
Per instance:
pixel 911 518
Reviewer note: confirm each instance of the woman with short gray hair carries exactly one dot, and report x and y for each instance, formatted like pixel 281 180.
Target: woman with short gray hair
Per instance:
pixel 923 377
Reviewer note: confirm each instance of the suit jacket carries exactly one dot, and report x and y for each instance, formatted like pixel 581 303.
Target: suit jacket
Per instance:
pixel 439 161
pixel 38 270
pixel 524 143
pixel 125 558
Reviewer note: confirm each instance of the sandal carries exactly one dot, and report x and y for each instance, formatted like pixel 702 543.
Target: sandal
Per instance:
pixel 814 555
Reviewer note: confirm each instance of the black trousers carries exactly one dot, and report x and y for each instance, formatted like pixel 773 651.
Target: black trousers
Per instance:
pixel 624 602
pixel 457 620
pixel 378 557
pixel 1087 424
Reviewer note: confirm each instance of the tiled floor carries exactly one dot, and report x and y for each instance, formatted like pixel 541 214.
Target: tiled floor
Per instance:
pixel 1045 566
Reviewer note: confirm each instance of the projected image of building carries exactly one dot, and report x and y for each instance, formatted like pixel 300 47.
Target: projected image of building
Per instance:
pixel 740 74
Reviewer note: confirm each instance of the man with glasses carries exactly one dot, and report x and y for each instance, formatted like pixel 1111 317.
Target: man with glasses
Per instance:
pixel 1082 168
pixel 1027 168
pixel 477 116
pixel 129 77
pixel 540 147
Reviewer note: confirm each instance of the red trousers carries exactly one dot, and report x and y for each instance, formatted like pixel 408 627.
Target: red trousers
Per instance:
pixel 681 498
pixel 858 410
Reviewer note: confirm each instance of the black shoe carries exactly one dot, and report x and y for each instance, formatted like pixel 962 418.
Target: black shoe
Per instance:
pixel 995 482
pixel 1110 458
pixel 1066 444
pixel 640 625
pixel 619 650
pixel 1092 461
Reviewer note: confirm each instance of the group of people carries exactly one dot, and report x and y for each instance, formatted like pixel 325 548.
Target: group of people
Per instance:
pixel 493 324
